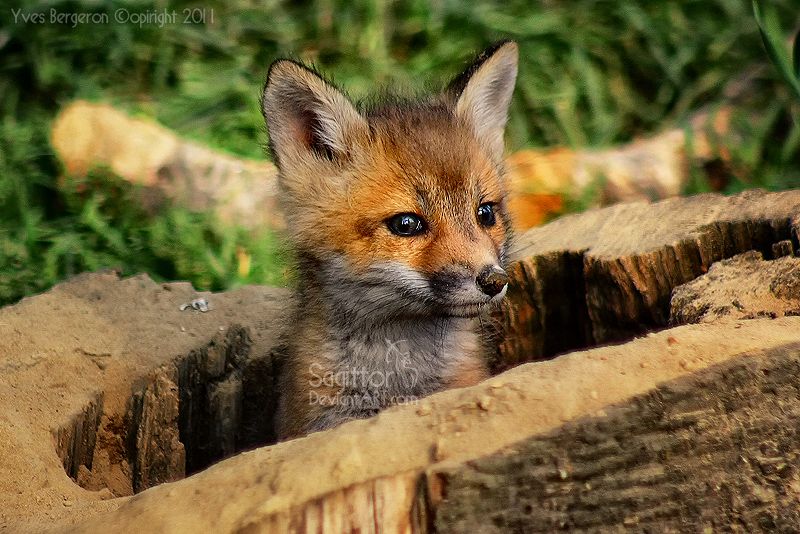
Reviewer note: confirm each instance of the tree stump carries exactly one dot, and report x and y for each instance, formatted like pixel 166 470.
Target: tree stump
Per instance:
pixel 607 275
pixel 689 422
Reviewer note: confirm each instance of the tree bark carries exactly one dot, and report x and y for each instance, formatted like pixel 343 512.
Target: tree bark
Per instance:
pixel 712 451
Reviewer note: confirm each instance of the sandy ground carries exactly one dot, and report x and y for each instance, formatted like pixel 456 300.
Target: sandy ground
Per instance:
pixel 94 334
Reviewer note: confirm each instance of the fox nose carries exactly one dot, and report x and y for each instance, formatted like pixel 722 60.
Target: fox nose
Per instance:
pixel 492 279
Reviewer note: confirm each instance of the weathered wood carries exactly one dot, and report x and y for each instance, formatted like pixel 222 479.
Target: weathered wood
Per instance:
pixel 717 450
pixel 656 167
pixel 607 275
pixel 239 191
pixel 75 441
pixel 418 467
pixel 157 453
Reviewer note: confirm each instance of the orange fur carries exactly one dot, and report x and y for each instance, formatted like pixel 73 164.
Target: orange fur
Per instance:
pixel 398 309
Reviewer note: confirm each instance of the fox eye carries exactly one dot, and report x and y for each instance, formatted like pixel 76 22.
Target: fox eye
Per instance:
pixel 486 214
pixel 406 224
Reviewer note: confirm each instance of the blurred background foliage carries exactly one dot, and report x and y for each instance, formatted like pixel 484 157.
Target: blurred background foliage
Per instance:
pixel 592 73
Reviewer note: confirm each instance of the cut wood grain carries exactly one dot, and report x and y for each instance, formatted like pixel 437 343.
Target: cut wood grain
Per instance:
pixel 607 275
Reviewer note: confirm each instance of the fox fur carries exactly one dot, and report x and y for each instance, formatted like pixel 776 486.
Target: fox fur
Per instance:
pixel 384 317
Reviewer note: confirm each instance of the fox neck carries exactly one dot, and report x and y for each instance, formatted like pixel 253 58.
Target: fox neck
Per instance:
pixel 427 346
pixel 412 357
pixel 429 333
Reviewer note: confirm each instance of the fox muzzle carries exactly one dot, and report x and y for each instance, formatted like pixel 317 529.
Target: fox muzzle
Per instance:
pixel 492 279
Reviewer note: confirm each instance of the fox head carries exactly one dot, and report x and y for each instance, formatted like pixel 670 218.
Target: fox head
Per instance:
pixel 397 210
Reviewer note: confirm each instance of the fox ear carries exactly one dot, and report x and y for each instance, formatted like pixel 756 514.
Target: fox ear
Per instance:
pixel 483 92
pixel 307 116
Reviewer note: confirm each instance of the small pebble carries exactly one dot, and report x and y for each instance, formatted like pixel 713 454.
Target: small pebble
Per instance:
pixel 200 305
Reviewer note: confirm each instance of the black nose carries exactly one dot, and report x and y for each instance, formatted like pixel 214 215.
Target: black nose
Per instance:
pixel 492 279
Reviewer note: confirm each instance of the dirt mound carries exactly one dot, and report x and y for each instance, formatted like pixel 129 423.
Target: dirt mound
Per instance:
pixel 88 389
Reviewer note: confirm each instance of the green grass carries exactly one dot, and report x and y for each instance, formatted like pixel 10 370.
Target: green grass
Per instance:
pixel 592 73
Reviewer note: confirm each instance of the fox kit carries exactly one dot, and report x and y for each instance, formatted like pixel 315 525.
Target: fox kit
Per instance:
pixel 398 218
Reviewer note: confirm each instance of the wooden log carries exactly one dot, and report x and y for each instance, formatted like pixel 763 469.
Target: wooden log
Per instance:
pixel 703 453
pixel 244 192
pixel 687 426
pixel 607 275
pixel 238 191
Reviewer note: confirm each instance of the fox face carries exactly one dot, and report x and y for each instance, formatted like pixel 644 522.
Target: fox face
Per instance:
pixel 398 210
